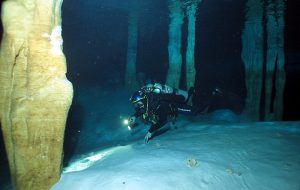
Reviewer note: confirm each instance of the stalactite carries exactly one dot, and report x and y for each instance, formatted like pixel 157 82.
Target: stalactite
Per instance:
pixel 252 56
pixel 275 60
pixel 174 47
pixel 190 51
pixel 271 57
pixel 280 73
pixel 35 95
pixel 130 73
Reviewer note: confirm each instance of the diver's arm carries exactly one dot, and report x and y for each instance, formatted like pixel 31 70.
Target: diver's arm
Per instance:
pixel 137 113
pixel 153 128
pixel 162 120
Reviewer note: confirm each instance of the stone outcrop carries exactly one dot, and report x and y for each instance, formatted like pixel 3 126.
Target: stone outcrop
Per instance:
pixel 35 95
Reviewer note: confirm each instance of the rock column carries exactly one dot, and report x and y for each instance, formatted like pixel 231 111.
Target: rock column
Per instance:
pixel 35 95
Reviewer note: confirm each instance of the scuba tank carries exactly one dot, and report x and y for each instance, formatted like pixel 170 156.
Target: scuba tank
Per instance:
pixel 165 90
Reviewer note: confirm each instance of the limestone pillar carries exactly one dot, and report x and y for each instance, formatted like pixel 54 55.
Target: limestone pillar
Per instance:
pixel 190 50
pixel 275 73
pixel 130 73
pixel 35 95
pixel 252 56
pixel 174 47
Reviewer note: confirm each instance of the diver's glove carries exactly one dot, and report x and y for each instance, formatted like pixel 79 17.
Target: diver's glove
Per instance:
pixel 131 120
pixel 147 137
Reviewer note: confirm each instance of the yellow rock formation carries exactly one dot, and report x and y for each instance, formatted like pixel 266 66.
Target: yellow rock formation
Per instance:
pixel 35 95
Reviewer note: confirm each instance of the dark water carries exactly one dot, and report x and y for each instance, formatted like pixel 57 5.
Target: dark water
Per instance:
pixel 96 50
pixel 95 37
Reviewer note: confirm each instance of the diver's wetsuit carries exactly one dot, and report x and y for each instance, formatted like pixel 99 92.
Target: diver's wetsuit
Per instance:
pixel 158 108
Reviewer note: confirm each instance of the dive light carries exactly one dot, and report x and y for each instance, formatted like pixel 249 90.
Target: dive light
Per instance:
pixel 126 122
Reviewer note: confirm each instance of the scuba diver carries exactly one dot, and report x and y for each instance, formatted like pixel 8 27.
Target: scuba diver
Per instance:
pixel 157 104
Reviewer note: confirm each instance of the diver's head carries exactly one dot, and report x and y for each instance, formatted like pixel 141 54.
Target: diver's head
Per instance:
pixel 137 99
